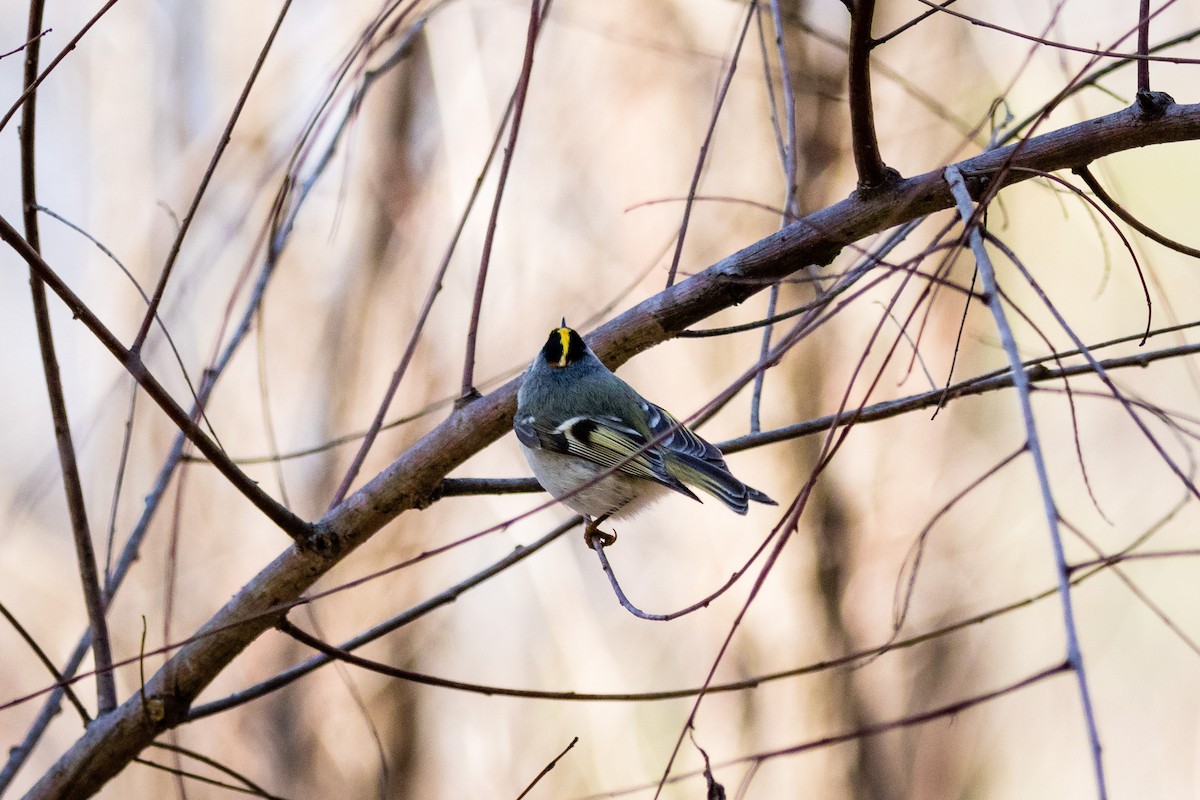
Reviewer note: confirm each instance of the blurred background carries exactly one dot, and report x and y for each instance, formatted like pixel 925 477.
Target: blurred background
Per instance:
pixel 621 96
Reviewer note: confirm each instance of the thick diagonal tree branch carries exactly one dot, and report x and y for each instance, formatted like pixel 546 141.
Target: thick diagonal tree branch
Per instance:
pixel 412 480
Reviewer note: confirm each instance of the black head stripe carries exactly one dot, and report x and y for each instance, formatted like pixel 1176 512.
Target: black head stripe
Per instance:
pixel 563 347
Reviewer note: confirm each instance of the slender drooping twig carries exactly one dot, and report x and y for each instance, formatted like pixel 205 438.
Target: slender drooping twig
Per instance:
pixel 1129 219
pixel 598 546
pixel 948 710
pixel 1074 656
pixel 250 787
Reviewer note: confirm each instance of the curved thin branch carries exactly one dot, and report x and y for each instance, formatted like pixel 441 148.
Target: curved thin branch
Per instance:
pixel 106 690
pixel 948 710
pixel 1129 219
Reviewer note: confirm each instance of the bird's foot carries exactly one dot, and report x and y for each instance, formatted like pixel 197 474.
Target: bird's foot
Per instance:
pixel 592 535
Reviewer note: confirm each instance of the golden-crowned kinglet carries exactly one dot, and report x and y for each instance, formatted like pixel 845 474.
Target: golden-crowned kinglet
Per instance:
pixel 577 421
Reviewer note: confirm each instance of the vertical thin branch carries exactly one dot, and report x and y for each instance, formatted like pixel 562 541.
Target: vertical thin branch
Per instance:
pixel 226 136
pixel 536 14
pixel 790 205
pixel 1143 47
pixel 106 691
pixel 702 157
pixel 872 172
pixel 967 212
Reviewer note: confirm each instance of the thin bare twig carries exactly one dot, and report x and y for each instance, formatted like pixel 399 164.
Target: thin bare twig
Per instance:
pixel 972 223
pixel 887 37
pixel 46 662
pixel 31 88
pixel 790 194
pixel 948 710
pixel 704 602
pixel 21 47
pixel 180 773
pixel 218 152
pixel 546 769
pixel 537 14
pixel 903 592
pixel 106 689
pixel 702 156
pixel 1112 205
pixel 250 786
pixel 1091 51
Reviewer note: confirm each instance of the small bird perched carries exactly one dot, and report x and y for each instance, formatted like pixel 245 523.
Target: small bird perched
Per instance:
pixel 577 421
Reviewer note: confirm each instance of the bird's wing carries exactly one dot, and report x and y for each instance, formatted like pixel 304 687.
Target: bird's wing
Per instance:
pixel 678 438
pixel 602 440
pixel 698 462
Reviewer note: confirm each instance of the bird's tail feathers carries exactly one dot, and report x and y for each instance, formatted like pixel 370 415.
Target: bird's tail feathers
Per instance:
pixel 717 481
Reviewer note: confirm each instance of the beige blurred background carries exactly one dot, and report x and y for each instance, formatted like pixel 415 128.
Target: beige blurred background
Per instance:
pixel 621 95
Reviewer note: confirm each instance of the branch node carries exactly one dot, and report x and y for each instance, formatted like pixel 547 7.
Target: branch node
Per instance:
pixel 467 398
pixel 868 187
pixel 1153 105
pixel 322 540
